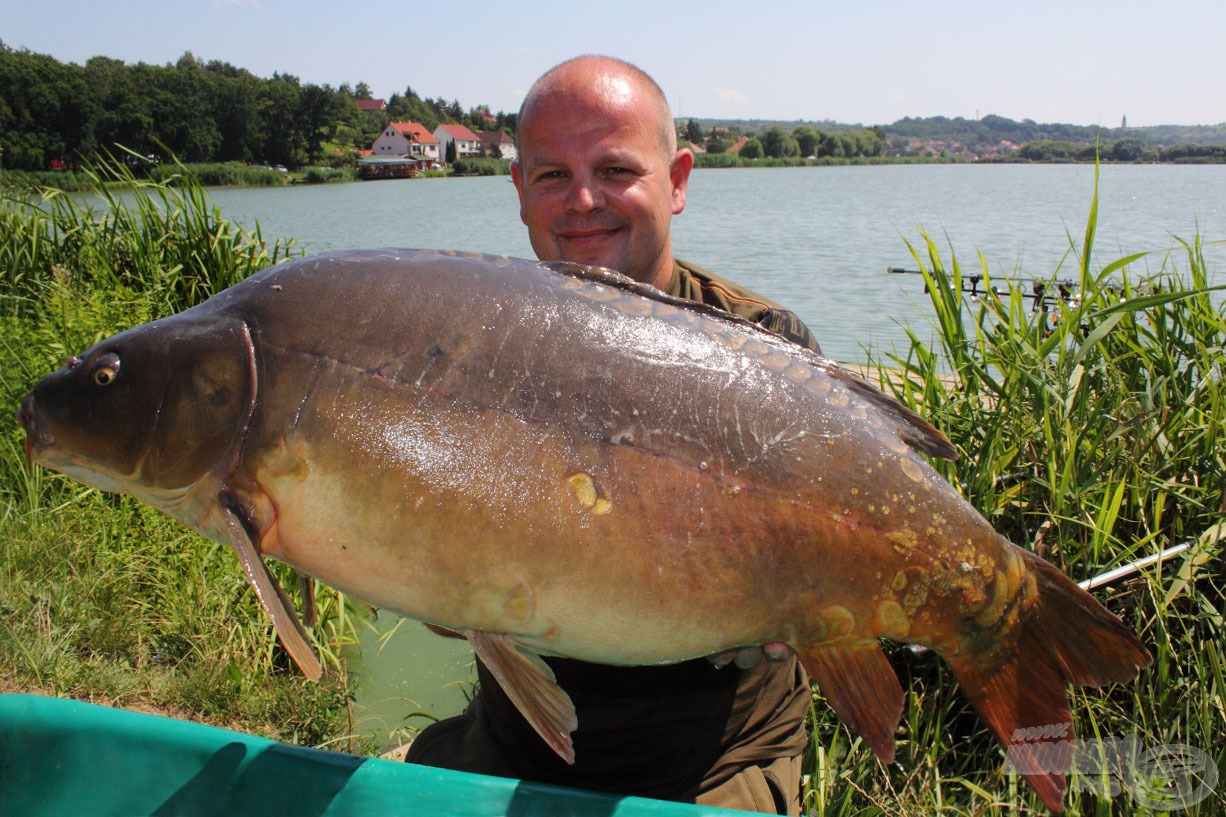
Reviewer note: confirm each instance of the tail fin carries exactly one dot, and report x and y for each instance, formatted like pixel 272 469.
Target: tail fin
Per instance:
pixel 1067 638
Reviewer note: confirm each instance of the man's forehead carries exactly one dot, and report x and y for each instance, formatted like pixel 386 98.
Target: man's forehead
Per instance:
pixel 587 102
pixel 614 90
pixel 586 139
pixel 563 158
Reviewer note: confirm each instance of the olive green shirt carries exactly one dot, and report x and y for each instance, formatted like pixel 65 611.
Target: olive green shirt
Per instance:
pixel 694 283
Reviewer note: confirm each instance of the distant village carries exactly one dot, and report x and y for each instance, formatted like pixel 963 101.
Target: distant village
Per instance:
pixel 405 149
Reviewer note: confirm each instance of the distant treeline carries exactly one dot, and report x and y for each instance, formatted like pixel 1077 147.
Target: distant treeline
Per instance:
pixel 55 114
pixel 995 137
pixel 993 128
pixel 1130 149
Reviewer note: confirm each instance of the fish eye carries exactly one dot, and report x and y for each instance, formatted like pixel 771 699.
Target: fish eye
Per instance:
pixel 106 370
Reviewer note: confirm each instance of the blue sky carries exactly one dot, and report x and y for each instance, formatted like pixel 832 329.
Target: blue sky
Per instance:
pixel 1079 61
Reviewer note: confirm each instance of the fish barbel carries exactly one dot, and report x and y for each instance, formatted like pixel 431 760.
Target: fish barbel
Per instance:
pixel 554 460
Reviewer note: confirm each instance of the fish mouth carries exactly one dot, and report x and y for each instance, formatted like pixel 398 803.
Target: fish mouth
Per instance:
pixel 38 437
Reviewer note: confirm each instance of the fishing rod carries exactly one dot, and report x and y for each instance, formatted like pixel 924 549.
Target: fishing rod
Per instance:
pixel 1040 293
pixel 1124 571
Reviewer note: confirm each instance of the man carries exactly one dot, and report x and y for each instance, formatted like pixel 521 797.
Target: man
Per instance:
pixel 599 178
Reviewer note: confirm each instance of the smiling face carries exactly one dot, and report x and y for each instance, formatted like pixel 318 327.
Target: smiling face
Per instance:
pixel 597 178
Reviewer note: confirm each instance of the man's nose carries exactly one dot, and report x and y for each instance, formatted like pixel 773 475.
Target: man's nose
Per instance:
pixel 584 196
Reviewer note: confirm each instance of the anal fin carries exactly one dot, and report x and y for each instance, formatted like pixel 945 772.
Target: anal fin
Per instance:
pixel 530 684
pixel 862 689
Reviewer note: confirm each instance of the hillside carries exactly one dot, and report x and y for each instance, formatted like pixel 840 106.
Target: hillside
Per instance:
pixel 990 128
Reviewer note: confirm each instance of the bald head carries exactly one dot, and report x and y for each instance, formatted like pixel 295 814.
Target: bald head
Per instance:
pixel 603 85
pixel 599 175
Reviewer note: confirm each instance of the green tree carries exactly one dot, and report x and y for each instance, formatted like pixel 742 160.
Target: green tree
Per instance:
pixel 832 144
pixel 772 141
pixel 693 133
pixel 752 149
pixel 1131 149
pixel 806 140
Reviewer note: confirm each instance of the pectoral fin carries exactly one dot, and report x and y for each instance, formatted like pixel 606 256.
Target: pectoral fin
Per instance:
pixel 530 684
pixel 862 689
pixel 272 597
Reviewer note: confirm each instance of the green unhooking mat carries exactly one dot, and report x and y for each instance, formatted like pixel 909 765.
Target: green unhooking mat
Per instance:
pixel 60 757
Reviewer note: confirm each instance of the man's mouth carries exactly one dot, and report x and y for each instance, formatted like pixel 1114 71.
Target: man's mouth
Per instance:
pixel 587 235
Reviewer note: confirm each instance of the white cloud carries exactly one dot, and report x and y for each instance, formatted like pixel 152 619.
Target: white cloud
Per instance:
pixel 730 95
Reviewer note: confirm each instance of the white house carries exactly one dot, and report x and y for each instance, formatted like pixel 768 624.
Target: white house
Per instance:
pixel 466 142
pixel 406 139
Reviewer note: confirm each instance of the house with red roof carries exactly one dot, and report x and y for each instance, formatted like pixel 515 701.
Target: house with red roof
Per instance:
pixel 372 105
pixel 409 139
pixel 497 143
pixel 467 143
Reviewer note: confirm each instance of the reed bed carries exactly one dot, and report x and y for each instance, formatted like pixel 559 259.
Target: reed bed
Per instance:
pixel 1092 433
pixel 102 598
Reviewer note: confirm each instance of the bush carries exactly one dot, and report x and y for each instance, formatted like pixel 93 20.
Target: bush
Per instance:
pixel 481 166
pixel 223 174
pixel 327 175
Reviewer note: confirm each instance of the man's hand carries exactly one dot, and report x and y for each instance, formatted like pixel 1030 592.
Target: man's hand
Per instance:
pixel 746 657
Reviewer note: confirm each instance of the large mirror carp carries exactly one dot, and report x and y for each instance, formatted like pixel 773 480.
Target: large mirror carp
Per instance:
pixel 554 460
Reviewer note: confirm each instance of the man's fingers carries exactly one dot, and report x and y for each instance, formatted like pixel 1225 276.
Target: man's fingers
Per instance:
pixel 777 651
pixel 746 657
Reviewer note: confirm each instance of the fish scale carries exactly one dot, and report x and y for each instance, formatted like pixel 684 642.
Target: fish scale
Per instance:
pixel 555 460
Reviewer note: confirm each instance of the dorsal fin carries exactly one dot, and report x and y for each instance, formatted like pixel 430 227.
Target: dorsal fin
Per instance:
pixel 912 429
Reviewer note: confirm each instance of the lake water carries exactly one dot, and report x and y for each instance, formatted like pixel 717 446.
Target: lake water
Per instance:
pixel 817 240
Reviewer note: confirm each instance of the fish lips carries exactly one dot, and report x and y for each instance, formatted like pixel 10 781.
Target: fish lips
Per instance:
pixel 38 437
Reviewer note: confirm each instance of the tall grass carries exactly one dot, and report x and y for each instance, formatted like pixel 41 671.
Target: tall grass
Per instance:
pixel 219 174
pixel 100 597
pixel 156 238
pixel 1094 435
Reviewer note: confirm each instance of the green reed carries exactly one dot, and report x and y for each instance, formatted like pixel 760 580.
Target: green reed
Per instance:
pixel 1092 433
pixel 164 238
pixel 101 597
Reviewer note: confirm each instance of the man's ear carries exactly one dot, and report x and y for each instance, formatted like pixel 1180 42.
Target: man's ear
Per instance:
pixel 679 175
pixel 517 178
